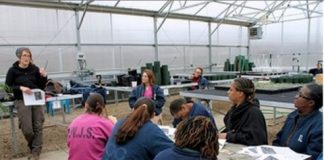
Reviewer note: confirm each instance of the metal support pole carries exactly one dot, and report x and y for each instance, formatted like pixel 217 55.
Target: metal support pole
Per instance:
pixel 156 57
pixel 209 47
pixel 184 60
pixel 189 38
pixel 13 130
pixel 60 55
pixel 308 42
pixel 112 41
pixel 248 45
pixel 77 30
pixel 282 40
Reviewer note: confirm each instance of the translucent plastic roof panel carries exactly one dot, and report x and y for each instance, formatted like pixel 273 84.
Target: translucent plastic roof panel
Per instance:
pixel 257 4
pixel 105 3
pixel 237 11
pixel 190 9
pixel 146 5
pixel 213 10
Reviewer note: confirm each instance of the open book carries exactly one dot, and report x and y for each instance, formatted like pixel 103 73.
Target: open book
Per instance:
pixel 267 152
pixel 36 98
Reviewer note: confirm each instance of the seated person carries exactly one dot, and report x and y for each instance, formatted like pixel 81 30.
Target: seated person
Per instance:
pixel 89 132
pixel 136 137
pixel 195 138
pixel 244 122
pixel 197 77
pixel 181 109
pixel 303 129
pixel 317 70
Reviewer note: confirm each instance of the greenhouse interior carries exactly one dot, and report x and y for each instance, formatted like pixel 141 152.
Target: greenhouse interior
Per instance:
pixel 169 79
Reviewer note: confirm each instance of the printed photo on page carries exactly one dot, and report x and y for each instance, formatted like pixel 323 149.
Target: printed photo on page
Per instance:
pixel 36 98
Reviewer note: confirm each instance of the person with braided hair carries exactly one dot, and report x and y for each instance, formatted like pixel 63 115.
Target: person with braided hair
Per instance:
pixel 89 132
pixel 136 137
pixel 244 122
pixel 195 138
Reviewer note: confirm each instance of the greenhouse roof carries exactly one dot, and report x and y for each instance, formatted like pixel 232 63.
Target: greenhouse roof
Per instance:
pixel 245 13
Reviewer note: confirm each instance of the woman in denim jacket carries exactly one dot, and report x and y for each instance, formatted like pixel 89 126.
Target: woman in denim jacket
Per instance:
pixel 149 89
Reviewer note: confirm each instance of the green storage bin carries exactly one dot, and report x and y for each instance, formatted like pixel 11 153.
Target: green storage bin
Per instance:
pixel 113 83
pixel 232 67
pixel 157 72
pixel 149 66
pixel 165 75
pixel 142 69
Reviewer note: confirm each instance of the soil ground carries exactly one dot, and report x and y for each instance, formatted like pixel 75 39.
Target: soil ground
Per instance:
pixel 55 131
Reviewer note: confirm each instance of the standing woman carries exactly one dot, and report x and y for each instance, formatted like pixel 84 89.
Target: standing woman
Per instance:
pixel 149 89
pixel 89 132
pixel 303 129
pixel 22 77
pixel 136 137
pixel 244 122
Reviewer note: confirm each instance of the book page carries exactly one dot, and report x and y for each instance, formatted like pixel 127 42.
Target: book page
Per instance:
pixel 267 152
pixel 36 98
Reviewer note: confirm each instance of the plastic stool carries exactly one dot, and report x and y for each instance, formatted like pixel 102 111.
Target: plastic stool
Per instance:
pixel 64 103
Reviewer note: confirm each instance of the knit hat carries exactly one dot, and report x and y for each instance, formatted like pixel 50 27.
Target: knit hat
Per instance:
pixel 21 49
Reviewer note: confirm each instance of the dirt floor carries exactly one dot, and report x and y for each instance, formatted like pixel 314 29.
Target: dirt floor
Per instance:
pixel 55 131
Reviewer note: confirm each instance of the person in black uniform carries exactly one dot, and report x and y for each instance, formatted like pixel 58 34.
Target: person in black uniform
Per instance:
pixel 244 122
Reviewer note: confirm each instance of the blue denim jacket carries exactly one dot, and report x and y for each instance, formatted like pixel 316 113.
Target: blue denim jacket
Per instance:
pixel 202 83
pixel 158 97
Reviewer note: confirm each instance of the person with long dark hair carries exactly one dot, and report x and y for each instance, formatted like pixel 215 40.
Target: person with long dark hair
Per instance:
pixel 22 77
pixel 244 122
pixel 136 137
pixel 195 138
pixel 149 89
pixel 303 129
pixel 89 132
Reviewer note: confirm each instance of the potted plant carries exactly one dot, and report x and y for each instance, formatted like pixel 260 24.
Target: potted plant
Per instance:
pixel 5 95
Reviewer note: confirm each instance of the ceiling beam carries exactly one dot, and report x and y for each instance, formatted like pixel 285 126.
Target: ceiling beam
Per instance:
pixel 282 8
pixel 189 6
pixel 165 17
pixel 109 9
pixel 202 8
pixel 238 5
pixel 270 11
pixel 116 4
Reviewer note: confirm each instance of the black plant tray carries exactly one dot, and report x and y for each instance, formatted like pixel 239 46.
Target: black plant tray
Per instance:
pixel 264 91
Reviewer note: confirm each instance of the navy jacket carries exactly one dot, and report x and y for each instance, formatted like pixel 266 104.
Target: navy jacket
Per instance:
pixel 197 110
pixel 145 145
pixel 246 125
pixel 177 153
pixel 158 97
pixel 27 77
pixel 302 134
